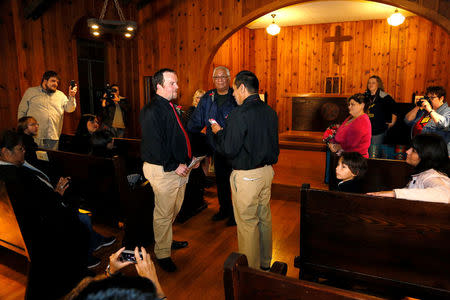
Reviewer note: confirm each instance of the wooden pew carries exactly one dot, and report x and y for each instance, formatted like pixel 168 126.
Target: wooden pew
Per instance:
pixel 395 247
pixel 102 182
pixel 10 233
pixel 382 174
pixel 242 282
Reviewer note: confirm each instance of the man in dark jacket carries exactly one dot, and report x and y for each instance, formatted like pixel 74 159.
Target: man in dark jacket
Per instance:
pixel 216 105
pixel 166 152
pixel 250 140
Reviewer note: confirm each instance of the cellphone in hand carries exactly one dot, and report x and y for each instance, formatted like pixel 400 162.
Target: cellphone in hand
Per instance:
pixel 128 255
pixel 72 84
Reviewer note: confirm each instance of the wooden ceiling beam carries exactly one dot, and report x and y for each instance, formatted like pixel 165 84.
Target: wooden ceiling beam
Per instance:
pixel 36 8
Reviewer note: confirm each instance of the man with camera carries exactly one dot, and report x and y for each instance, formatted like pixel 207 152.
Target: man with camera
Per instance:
pixel 114 111
pixel 47 105
pixel 431 115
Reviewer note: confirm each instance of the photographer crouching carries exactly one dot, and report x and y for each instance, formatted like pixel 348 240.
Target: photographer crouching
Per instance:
pixel 114 110
pixel 431 115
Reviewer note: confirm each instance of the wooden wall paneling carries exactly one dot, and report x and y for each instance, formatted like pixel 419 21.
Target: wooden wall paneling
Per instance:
pixel 294 62
pixel 302 59
pixel 367 38
pixel 9 81
pixel 325 54
pixel 391 84
pixel 412 57
pixel 358 62
pixel 316 58
pixel 272 49
pixel 401 62
pixel 421 65
pixel 385 50
pixel 261 58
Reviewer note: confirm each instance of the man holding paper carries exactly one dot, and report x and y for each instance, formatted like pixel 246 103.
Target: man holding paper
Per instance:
pixel 166 152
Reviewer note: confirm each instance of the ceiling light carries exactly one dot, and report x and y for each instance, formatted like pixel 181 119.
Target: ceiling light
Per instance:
pixel 396 19
pixel 273 29
pixel 122 26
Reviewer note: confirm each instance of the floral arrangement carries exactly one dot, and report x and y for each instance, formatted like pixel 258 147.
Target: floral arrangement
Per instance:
pixel 330 132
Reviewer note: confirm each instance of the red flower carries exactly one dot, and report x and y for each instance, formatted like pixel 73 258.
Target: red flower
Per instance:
pixel 329 133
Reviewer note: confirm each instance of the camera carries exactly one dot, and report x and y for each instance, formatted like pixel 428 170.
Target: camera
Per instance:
pixel 420 102
pixel 109 91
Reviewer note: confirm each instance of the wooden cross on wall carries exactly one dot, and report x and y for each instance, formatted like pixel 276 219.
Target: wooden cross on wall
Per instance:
pixel 337 39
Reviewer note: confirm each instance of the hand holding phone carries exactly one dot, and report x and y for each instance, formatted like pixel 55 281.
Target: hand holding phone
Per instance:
pixel 212 121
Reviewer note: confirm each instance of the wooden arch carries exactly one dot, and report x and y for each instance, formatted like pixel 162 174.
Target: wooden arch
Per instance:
pixel 420 10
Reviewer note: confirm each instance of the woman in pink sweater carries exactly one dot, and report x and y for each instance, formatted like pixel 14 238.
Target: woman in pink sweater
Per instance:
pixel 355 132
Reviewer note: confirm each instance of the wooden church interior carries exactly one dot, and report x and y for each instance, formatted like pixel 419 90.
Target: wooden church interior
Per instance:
pixel 306 73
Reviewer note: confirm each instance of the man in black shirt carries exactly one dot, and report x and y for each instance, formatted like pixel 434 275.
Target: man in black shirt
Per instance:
pixel 250 141
pixel 166 152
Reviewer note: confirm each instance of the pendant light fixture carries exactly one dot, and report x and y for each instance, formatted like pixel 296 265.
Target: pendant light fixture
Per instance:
pixel 122 27
pixel 273 29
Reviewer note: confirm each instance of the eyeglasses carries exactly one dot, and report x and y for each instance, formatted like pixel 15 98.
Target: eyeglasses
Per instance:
pixel 220 77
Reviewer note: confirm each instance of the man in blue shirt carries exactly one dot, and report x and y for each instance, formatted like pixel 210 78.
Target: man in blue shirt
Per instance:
pixel 216 105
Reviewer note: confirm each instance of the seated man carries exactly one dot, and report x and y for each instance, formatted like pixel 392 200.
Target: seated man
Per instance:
pixel 56 239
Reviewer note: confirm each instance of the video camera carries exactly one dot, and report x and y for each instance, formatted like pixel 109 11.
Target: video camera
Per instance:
pixel 109 92
pixel 420 102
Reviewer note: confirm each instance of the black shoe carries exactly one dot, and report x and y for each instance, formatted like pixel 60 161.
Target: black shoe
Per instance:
pixel 231 222
pixel 93 262
pixel 219 216
pixel 179 244
pixel 107 241
pixel 167 264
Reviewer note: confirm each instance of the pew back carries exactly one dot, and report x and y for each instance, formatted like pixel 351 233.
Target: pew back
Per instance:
pixel 10 233
pixel 242 282
pixel 397 246
pixel 102 182
pixel 381 175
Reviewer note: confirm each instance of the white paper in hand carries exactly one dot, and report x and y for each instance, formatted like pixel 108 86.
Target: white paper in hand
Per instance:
pixel 195 161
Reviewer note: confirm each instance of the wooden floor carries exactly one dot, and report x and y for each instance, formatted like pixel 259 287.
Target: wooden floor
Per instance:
pixel 201 264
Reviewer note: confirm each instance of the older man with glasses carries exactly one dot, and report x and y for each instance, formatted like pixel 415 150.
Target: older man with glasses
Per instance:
pixel 215 106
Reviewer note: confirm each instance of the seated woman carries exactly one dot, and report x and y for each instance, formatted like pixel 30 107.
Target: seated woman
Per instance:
pixel 86 127
pixel 381 112
pixel 430 182
pixel 354 134
pixel 102 144
pixel 431 116
pixel 350 169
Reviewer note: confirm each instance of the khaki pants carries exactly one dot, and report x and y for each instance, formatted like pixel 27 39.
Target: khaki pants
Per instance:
pixel 169 189
pixel 251 204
